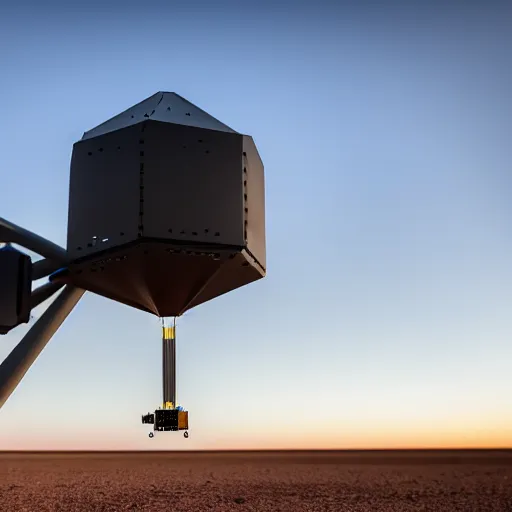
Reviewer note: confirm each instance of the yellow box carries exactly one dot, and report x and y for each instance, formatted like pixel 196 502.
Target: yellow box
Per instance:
pixel 183 420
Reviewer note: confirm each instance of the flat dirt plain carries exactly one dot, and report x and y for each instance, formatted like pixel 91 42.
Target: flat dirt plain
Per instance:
pixel 258 481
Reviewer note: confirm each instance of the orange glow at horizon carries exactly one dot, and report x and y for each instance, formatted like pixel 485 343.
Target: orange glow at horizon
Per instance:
pixel 321 439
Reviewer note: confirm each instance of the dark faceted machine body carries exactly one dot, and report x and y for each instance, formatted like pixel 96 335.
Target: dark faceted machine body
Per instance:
pixel 171 197
pixel 166 212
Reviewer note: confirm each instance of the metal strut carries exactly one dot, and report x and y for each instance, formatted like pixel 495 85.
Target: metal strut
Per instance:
pixel 17 363
pixel 169 365
pixel 54 256
pixel 10 232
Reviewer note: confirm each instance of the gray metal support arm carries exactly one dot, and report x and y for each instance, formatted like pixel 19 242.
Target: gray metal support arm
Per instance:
pixel 10 232
pixel 44 292
pixel 43 268
pixel 17 363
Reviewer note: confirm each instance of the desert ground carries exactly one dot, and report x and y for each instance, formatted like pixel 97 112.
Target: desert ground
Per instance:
pixel 435 481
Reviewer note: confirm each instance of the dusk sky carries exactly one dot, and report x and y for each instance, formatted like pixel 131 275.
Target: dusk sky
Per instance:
pixel 385 317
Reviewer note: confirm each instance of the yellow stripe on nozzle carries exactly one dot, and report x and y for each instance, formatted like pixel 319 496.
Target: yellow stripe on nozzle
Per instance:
pixel 168 333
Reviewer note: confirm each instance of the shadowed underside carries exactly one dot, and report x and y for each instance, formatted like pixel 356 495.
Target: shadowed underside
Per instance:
pixel 161 278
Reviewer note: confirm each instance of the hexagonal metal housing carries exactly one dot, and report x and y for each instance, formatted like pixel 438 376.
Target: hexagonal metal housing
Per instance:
pixel 166 208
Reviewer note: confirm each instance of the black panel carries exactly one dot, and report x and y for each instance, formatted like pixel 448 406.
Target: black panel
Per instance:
pixel 254 206
pixel 166 419
pixel 15 288
pixel 104 192
pixel 193 184
pixel 148 419
pixel 25 288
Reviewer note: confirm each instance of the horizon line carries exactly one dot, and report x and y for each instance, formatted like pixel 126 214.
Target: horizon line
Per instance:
pixel 275 450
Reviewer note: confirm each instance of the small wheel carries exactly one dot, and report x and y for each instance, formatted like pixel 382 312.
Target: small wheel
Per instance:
pixel 185 434
pixel 151 434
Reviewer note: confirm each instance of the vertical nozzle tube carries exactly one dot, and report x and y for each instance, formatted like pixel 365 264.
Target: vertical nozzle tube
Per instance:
pixel 169 366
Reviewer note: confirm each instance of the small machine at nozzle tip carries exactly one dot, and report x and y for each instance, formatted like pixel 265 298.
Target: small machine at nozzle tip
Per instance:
pixel 169 417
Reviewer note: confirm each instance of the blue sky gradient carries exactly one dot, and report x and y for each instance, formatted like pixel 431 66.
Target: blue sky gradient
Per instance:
pixel 384 320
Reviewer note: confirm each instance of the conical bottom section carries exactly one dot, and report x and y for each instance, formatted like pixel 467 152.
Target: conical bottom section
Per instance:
pixel 161 278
